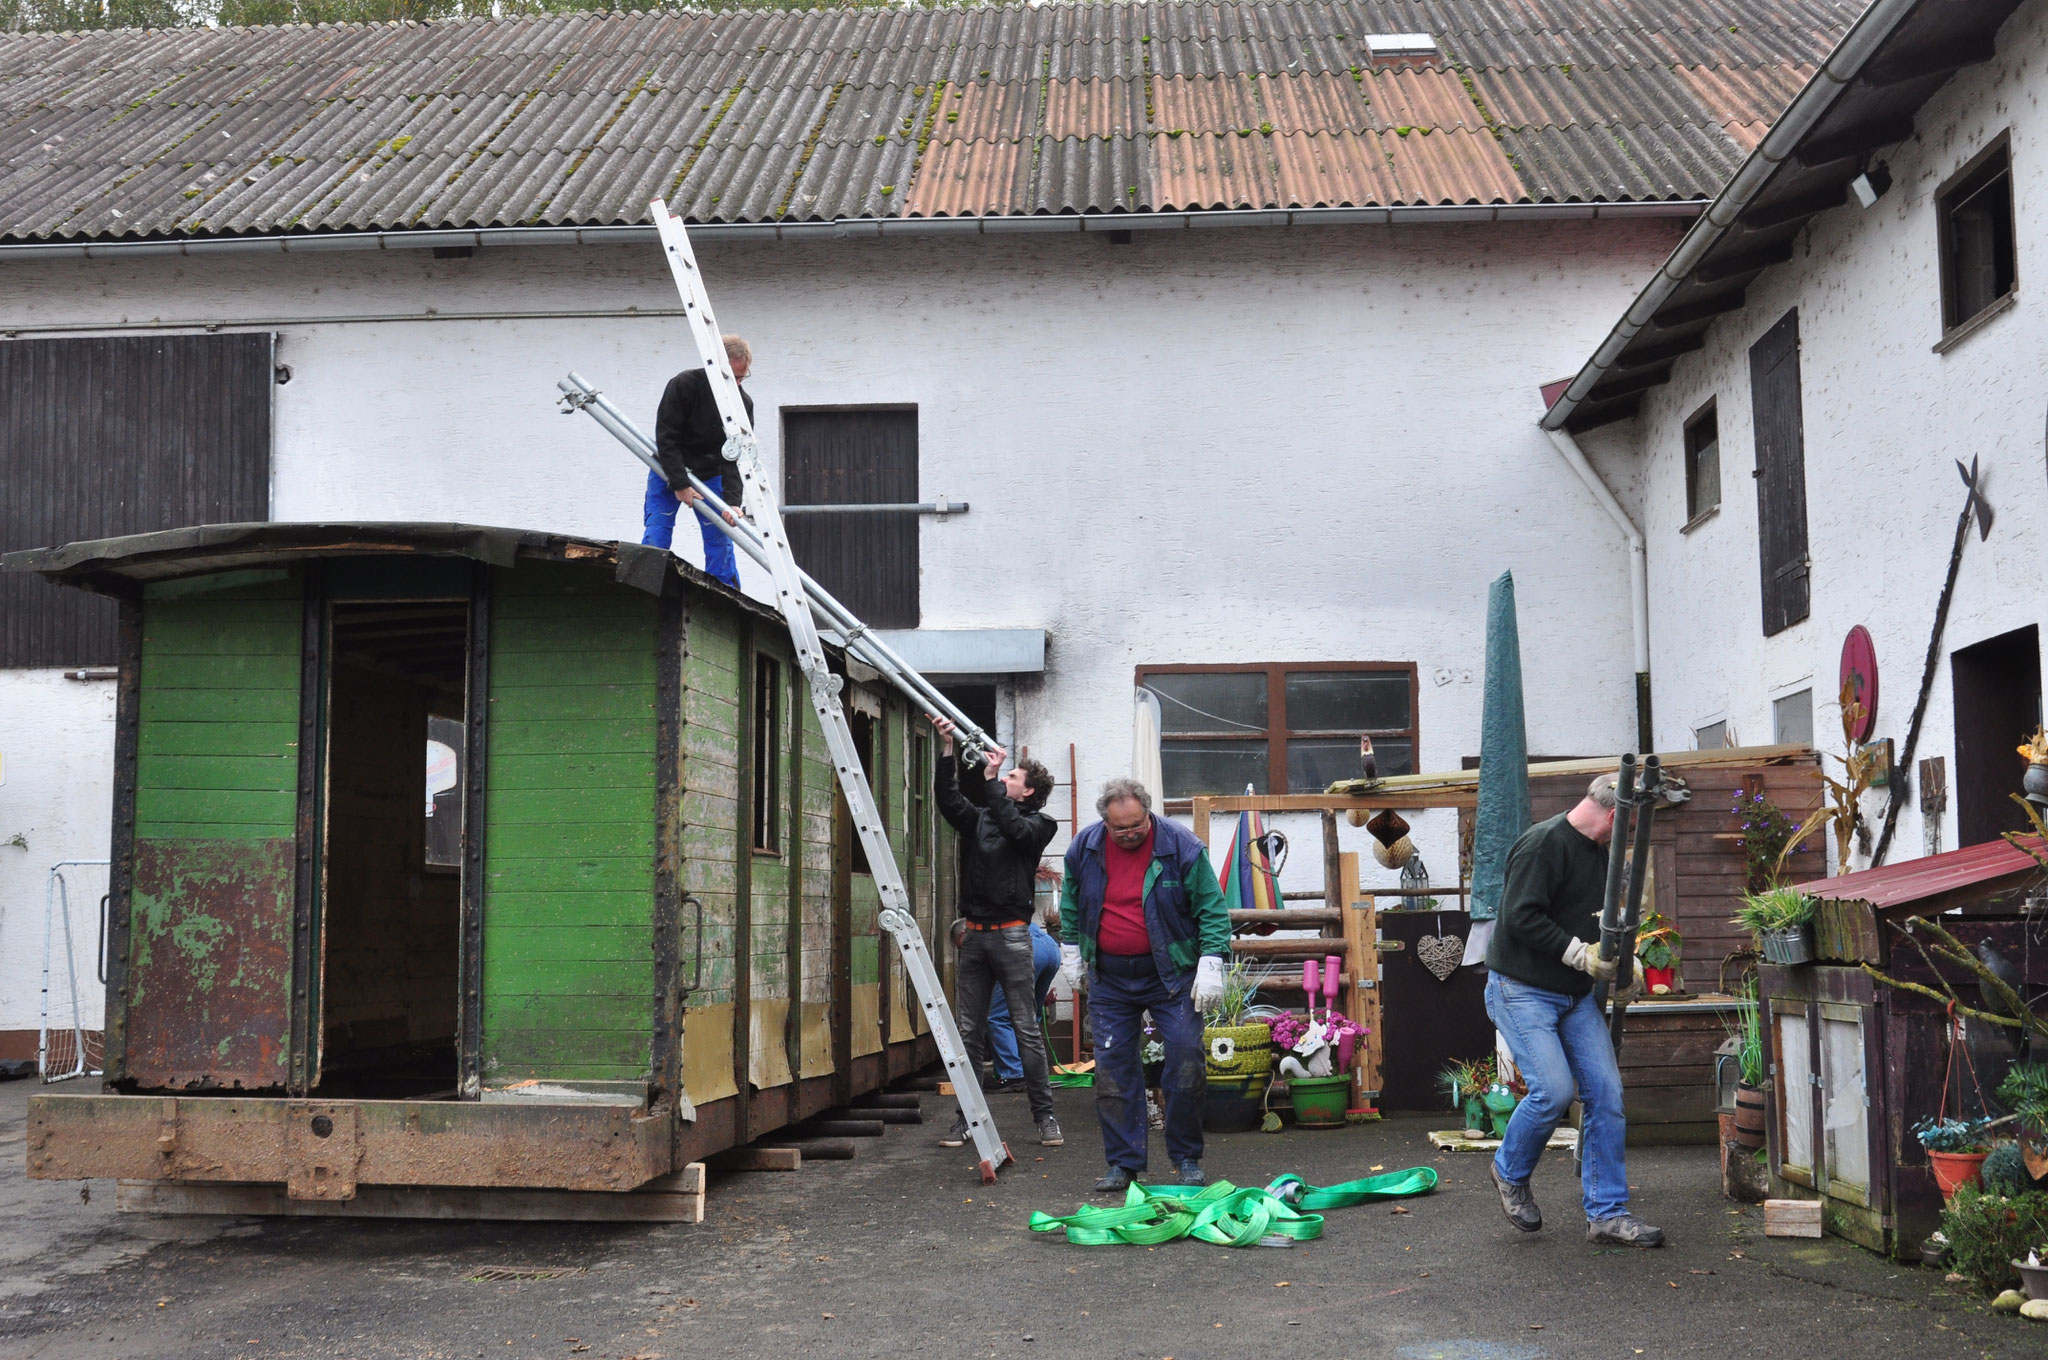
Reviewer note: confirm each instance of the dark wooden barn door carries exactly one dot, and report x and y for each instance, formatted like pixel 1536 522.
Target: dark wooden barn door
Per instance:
pixel 120 435
pixel 1780 473
pixel 867 558
pixel 1997 701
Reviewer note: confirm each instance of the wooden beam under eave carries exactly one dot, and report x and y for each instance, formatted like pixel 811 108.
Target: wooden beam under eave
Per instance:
pixel 1622 386
pixel 1592 415
pixel 1700 310
pixel 1858 140
pixel 1737 266
pixel 1899 68
pixel 1653 356
pixel 1764 216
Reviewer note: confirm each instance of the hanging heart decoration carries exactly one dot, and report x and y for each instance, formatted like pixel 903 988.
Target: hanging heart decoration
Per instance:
pixel 1441 954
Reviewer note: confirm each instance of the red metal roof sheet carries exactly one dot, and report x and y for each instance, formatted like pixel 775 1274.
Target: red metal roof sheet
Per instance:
pixel 1916 880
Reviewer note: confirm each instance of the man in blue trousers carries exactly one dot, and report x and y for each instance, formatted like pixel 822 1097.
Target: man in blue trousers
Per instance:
pixel 1539 990
pixel 689 437
pixel 1141 908
pixel 1045 966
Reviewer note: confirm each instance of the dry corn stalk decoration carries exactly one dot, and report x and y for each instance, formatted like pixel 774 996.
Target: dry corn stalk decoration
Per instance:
pixel 1843 807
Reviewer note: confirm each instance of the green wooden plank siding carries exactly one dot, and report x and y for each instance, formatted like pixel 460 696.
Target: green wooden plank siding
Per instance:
pixel 216 809
pixel 710 801
pixel 568 958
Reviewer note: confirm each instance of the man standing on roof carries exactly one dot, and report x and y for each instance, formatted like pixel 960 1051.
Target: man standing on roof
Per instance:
pixel 1140 906
pixel 689 436
pixel 1003 831
pixel 1540 994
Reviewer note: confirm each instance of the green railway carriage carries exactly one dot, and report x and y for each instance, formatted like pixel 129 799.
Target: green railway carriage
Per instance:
pixel 640 932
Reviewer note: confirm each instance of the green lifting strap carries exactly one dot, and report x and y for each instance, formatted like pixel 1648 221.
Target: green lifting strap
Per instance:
pixel 1226 1215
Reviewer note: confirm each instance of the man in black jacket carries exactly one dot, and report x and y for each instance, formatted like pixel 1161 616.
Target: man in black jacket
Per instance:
pixel 1003 832
pixel 689 436
pixel 1542 962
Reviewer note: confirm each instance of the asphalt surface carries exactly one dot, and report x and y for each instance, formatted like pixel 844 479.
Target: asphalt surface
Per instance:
pixel 902 1252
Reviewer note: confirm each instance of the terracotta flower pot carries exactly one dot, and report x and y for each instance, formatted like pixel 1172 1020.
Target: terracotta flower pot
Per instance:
pixel 1749 1117
pixel 1954 1169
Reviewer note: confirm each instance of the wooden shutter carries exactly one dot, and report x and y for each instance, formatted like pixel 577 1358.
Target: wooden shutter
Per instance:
pixel 1780 474
pixel 120 435
pixel 866 457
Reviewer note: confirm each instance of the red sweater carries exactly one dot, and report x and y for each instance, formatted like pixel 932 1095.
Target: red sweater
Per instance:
pixel 1123 901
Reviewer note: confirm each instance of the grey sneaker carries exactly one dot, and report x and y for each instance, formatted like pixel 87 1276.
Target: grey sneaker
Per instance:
pixel 1049 1134
pixel 1624 1230
pixel 1516 1201
pixel 956 1135
pixel 1191 1173
pixel 1115 1183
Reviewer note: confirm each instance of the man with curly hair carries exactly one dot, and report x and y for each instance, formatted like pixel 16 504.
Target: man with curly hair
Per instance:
pixel 1003 832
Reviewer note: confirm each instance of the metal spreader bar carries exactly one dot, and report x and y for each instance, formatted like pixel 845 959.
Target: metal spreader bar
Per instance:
pixel 796 602
pixel 1628 859
pixel 579 395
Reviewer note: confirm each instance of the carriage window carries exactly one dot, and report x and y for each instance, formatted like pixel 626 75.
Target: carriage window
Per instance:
pixel 767 754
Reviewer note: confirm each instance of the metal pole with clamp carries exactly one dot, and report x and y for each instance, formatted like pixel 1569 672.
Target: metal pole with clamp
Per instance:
pixel 796 596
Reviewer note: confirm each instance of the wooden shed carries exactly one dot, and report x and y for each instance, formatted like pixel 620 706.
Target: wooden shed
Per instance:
pixel 1854 1064
pixel 650 938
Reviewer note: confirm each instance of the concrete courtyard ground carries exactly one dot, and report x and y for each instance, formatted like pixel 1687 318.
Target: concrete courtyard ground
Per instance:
pixel 903 1253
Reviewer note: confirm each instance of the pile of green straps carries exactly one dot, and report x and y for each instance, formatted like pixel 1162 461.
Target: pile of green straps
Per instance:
pixel 1227 1215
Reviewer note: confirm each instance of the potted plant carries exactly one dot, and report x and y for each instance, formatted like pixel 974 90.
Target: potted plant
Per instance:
pixel 1956 1149
pixel 1476 1090
pixel 1748 1032
pixel 1319 1048
pixel 1657 946
pixel 1238 1052
pixel 1764 833
pixel 1782 921
pixel 2035 782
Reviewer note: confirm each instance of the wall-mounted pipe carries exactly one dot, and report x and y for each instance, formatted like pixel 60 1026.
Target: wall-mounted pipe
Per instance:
pixel 1638 577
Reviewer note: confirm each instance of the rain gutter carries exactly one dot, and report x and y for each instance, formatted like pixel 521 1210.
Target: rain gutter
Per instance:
pixel 1808 107
pixel 848 228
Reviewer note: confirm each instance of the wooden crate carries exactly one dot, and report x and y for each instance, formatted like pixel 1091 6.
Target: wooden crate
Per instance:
pixel 1792 1218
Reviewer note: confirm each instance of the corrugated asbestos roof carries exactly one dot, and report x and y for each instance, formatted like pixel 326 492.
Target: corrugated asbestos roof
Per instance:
pixel 579 120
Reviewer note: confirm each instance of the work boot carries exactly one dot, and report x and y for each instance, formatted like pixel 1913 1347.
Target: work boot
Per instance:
pixel 1049 1134
pixel 1624 1230
pixel 1007 1086
pixel 1517 1202
pixel 1115 1183
pixel 956 1135
pixel 1191 1173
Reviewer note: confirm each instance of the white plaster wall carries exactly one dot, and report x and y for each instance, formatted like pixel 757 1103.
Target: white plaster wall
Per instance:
pixel 56 802
pixel 1886 419
pixel 1316 444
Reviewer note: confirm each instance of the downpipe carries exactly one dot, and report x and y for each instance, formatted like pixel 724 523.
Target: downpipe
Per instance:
pixel 1638 576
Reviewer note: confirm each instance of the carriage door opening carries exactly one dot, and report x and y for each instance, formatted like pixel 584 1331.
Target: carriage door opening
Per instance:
pixel 391 894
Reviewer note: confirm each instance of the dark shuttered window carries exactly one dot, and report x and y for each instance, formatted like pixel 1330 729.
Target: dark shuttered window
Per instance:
pixel 120 435
pixel 867 558
pixel 1780 474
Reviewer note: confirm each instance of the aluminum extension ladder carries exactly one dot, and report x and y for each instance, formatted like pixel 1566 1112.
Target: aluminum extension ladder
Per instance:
pixel 798 598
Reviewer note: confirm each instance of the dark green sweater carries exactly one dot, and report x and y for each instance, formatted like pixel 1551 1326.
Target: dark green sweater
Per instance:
pixel 1555 881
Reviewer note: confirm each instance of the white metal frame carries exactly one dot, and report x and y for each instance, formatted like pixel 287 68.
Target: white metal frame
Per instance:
pixel 56 909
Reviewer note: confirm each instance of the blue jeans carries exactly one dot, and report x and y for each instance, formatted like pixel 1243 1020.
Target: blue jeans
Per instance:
pixel 1118 1000
pixel 658 514
pixel 1045 964
pixel 1560 1042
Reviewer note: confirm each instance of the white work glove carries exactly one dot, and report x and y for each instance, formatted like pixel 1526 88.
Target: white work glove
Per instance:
pixel 1586 958
pixel 1208 992
pixel 1070 964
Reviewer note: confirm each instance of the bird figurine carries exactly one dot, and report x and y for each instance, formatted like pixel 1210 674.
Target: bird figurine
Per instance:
pixel 1368 763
